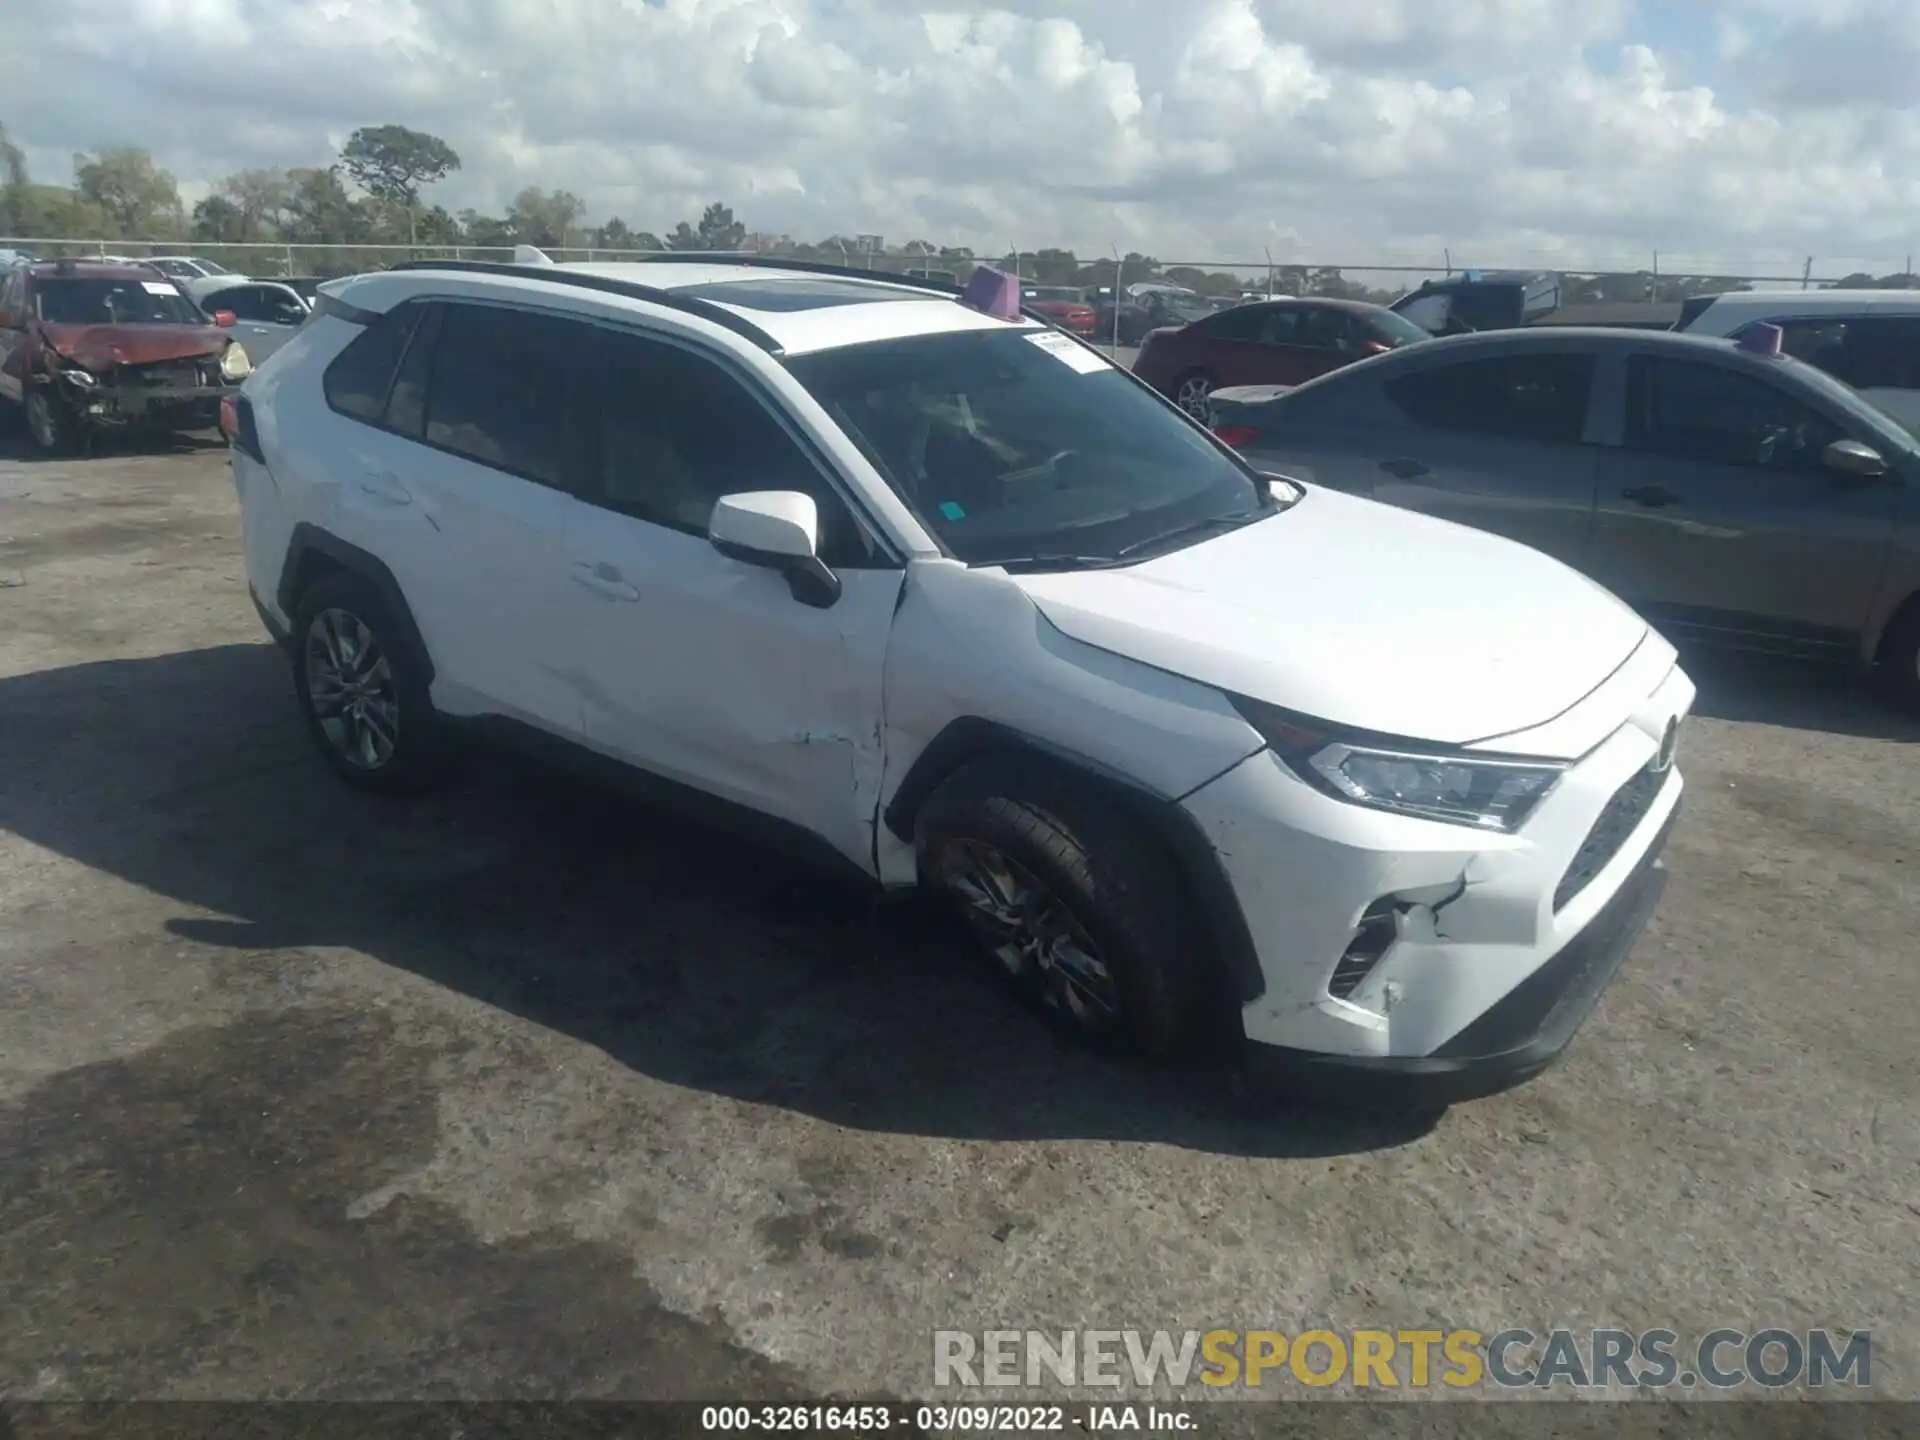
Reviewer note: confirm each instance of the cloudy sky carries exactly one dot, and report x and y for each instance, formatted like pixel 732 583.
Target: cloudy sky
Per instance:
pixel 1731 133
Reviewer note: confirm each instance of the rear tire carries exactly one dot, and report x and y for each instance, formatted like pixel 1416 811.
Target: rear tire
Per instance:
pixel 1190 393
pixel 361 694
pixel 1088 930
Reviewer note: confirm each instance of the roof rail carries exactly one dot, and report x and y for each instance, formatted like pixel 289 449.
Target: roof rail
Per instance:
pixel 608 285
pixel 809 267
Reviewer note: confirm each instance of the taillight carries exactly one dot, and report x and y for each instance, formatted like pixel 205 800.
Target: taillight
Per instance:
pixel 1238 436
pixel 236 423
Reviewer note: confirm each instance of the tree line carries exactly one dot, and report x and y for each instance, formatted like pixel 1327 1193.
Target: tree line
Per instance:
pixel 372 194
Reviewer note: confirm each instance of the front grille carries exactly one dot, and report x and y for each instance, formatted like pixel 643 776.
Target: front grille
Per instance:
pixel 1369 943
pixel 171 375
pixel 1620 818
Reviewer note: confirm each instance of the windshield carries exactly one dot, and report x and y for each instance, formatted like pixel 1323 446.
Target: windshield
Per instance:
pixel 1019 444
pixel 1397 330
pixel 212 267
pixel 1186 308
pixel 73 301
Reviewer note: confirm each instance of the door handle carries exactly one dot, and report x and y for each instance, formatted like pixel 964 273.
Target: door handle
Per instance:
pixel 1405 469
pixel 604 579
pixel 1651 496
pixel 385 487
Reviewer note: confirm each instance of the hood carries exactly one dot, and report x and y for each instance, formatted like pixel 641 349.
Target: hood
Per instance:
pixel 95 347
pixel 1362 615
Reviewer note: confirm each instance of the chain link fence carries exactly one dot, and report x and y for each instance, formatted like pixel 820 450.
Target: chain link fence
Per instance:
pixel 1378 275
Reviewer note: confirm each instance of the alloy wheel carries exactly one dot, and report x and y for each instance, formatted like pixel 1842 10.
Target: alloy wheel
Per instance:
pixel 351 688
pixel 1192 396
pixel 1031 932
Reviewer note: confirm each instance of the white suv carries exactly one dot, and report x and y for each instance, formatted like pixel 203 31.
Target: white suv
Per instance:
pixel 939 593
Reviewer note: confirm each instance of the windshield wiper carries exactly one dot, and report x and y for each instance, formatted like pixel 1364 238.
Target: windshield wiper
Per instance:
pixel 1055 562
pixel 1192 527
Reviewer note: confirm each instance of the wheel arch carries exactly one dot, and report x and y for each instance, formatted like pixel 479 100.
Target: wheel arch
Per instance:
pixel 314 553
pixel 1898 618
pixel 970 739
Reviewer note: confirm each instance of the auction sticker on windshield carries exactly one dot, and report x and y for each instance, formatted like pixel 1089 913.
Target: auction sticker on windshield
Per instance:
pixel 1071 353
pixel 158 287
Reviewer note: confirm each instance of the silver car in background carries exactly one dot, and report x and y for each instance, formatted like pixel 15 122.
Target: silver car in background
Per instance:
pixel 266 314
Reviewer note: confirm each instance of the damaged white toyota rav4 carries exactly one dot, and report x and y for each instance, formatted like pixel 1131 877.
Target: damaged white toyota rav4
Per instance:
pixel 932 589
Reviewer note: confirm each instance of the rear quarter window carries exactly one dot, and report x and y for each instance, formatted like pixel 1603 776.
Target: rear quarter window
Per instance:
pixel 359 378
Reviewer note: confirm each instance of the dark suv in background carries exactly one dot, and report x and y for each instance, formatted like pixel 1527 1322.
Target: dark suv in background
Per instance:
pixel 1477 300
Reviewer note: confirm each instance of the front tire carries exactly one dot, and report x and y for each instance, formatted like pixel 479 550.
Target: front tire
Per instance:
pixel 1086 929
pixel 1900 660
pixel 364 702
pixel 51 429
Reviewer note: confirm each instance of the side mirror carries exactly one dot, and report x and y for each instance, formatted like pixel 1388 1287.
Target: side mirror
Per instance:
pixel 224 318
pixel 777 530
pixel 1850 457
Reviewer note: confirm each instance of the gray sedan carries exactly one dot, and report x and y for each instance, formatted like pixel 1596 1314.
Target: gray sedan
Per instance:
pixel 1732 496
pixel 266 313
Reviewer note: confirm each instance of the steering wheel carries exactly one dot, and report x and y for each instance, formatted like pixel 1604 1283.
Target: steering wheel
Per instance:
pixel 1049 466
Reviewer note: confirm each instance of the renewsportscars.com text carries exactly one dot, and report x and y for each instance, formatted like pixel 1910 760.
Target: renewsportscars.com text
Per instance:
pixel 1725 1359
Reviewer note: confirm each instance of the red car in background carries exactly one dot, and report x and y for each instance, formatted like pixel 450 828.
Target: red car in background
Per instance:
pixel 1063 306
pixel 1270 342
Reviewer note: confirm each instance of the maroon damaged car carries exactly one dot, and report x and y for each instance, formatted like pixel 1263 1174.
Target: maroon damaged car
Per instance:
pixel 87 347
pixel 1063 306
pixel 1269 342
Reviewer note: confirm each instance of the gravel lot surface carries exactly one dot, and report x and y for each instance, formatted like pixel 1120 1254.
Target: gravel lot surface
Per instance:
pixel 521 1090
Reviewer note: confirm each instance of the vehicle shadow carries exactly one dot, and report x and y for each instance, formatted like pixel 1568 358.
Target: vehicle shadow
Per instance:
pixel 14 444
pixel 1794 694
pixel 685 954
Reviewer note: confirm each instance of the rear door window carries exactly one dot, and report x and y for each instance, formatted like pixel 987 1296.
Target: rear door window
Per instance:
pixel 1538 397
pixel 500 388
pixel 1246 325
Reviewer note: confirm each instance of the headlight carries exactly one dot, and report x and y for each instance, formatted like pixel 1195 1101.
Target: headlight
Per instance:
pixel 1458 788
pixel 78 377
pixel 234 364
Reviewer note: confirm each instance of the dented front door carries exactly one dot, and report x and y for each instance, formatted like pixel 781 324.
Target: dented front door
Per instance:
pixel 707 671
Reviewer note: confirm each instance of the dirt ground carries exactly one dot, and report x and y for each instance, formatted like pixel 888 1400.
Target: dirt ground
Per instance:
pixel 519 1090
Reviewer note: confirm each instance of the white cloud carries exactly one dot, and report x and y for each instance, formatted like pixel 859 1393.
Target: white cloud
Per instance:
pixel 1509 130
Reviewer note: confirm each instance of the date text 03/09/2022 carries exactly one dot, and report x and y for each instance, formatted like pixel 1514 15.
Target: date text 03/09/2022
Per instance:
pixel 942 1419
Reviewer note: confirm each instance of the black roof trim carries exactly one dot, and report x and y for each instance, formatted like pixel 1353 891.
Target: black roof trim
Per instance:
pixel 606 284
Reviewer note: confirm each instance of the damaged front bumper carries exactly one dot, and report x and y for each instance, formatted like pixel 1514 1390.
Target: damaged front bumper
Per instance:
pixel 1514 1039
pixel 177 395
pixel 1435 962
